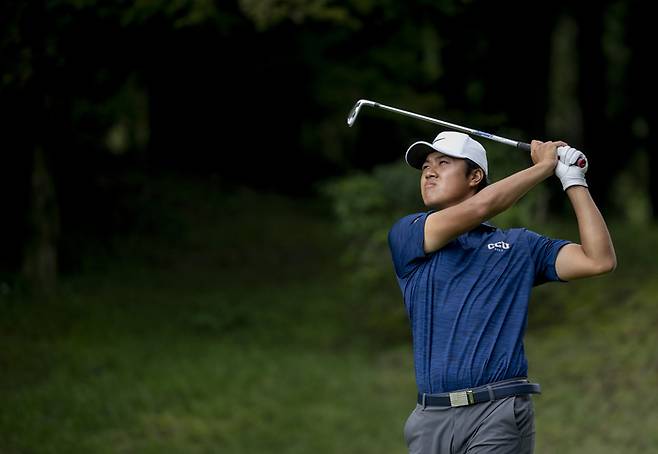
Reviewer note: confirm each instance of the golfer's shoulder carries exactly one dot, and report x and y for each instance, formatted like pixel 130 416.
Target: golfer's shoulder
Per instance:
pixel 536 241
pixel 530 234
pixel 407 224
pixel 521 235
pixel 515 231
pixel 409 219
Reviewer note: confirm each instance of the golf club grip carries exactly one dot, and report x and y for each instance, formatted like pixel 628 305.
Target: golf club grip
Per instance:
pixel 581 162
pixel 523 146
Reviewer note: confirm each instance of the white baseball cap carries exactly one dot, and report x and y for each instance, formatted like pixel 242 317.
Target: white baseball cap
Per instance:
pixel 451 143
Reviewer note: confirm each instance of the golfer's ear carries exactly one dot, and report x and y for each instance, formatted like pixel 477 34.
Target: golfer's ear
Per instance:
pixel 476 177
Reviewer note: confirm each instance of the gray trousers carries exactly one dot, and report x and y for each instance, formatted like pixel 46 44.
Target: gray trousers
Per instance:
pixel 505 426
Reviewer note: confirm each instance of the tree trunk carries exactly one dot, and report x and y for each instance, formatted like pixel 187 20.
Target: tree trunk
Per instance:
pixel 40 259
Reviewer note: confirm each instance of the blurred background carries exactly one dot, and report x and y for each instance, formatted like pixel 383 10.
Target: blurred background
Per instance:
pixel 193 242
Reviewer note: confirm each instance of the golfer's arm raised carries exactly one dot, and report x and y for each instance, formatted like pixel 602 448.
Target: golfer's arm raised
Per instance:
pixel 443 226
pixel 596 254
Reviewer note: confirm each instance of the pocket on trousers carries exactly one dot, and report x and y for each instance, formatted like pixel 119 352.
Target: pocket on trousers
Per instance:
pixel 409 427
pixel 524 415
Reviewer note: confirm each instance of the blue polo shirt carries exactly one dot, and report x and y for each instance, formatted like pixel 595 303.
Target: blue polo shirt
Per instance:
pixel 468 302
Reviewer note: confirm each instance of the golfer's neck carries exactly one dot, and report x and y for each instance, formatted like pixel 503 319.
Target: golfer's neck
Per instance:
pixel 443 206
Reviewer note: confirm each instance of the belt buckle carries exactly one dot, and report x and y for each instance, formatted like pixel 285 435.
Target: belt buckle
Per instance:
pixel 461 398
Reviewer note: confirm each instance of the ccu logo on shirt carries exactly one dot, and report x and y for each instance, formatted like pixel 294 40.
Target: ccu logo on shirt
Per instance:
pixel 499 246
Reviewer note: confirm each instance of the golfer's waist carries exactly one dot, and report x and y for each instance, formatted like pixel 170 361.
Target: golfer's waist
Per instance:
pixel 483 393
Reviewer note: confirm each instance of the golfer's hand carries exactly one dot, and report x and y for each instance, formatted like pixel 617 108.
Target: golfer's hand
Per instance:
pixel 569 169
pixel 544 153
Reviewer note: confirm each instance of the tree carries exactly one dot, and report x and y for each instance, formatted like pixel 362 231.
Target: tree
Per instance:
pixel 642 93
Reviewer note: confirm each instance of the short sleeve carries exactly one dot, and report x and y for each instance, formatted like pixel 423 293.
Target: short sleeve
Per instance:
pixel 544 252
pixel 406 241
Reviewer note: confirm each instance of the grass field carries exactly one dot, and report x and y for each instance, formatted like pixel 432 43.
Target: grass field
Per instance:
pixel 236 331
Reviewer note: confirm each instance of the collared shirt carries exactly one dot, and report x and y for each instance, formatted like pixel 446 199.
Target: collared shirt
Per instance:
pixel 467 303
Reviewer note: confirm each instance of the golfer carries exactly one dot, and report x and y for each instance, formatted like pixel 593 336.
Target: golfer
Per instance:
pixel 466 287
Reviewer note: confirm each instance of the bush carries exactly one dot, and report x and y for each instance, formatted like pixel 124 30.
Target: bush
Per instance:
pixel 366 205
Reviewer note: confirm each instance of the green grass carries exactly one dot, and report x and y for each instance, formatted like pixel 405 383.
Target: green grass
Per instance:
pixel 88 374
pixel 236 331
pixel 599 372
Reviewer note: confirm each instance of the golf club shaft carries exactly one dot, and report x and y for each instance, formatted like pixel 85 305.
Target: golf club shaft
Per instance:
pixel 475 132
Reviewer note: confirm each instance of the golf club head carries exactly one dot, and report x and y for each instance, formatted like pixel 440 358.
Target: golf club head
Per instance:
pixel 351 118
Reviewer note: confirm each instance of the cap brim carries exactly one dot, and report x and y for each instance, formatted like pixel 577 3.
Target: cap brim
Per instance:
pixel 417 152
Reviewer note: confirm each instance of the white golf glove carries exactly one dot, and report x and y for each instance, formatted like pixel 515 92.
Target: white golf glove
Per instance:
pixel 568 168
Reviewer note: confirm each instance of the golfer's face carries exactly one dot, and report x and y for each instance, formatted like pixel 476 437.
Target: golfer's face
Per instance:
pixel 443 181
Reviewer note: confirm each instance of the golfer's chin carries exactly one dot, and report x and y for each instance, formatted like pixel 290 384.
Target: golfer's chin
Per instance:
pixel 433 201
pixel 438 200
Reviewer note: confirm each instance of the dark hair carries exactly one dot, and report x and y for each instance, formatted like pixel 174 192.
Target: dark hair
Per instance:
pixel 470 167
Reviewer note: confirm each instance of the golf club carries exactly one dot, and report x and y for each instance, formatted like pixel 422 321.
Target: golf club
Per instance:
pixel 351 118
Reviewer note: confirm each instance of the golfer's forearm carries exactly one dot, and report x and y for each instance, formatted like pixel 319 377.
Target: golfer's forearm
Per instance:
pixel 594 236
pixel 501 195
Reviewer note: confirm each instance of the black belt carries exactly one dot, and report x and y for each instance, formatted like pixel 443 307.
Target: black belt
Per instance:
pixel 477 395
